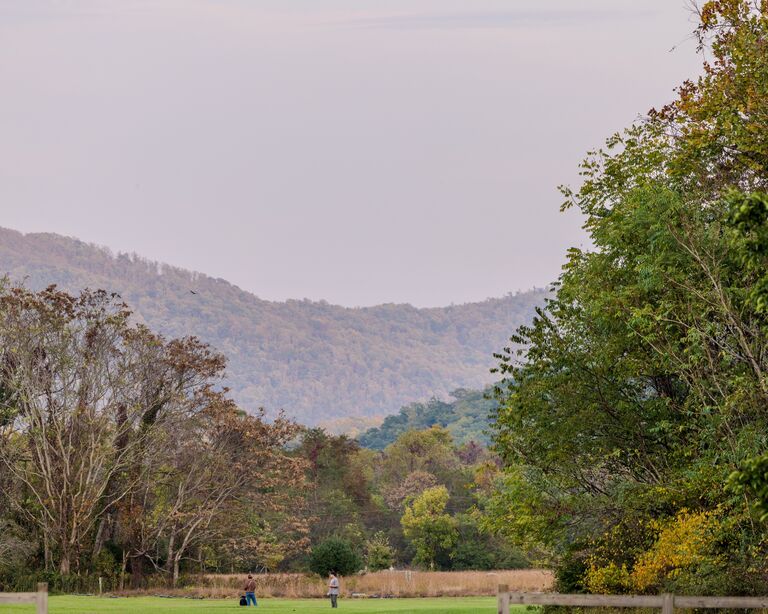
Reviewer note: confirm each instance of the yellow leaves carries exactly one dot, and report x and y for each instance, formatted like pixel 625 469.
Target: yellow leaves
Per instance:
pixel 607 579
pixel 683 543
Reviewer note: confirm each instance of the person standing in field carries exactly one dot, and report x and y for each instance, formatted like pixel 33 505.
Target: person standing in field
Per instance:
pixel 250 591
pixel 333 589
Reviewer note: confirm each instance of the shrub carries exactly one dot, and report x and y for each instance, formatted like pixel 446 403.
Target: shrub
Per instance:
pixel 334 555
pixel 610 578
pixel 473 555
pixel 571 571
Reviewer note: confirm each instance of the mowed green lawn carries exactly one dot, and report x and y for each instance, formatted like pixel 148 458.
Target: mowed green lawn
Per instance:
pixel 155 605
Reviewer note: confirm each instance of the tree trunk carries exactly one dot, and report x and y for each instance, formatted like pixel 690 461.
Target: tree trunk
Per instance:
pixel 137 571
pixel 175 572
pixel 101 535
pixel 171 562
pixel 64 563
pixel 121 442
pixel 123 565
pixel 46 551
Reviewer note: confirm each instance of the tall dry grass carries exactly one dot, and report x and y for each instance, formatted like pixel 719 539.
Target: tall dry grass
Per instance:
pixel 383 583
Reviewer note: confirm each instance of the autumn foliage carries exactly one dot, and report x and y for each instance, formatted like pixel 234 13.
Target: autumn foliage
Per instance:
pixel 120 451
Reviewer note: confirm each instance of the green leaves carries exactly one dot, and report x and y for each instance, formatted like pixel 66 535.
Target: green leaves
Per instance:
pixel 748 238
pixel 431 530
pixel 334 555
pixel 379 553
pixel 644 383
pixel 752 479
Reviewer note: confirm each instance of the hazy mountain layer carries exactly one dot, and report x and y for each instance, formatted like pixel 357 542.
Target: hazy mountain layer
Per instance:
pixel 315 360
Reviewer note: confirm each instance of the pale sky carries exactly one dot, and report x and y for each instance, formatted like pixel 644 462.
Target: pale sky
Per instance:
pixel 358 151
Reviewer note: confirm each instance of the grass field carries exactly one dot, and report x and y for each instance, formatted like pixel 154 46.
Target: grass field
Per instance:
pixel 155 605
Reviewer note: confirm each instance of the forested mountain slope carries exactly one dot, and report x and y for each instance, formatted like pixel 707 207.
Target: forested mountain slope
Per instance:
pixel 466 416
pixel 315 360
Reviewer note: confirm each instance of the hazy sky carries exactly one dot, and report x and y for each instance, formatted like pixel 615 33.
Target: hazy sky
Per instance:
pixel 359 151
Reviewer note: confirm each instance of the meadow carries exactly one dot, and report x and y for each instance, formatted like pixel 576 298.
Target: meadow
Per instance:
pixel 159 605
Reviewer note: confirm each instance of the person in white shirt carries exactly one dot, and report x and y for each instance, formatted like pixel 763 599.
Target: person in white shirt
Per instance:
pixel 333 589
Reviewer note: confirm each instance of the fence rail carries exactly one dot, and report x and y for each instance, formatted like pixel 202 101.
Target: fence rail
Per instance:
pixel 39 599
pixel 666 602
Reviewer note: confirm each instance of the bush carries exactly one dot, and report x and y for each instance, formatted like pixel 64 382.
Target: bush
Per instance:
pixel 571 570
pixel 334 555
pixel 483 551
pixel 473 555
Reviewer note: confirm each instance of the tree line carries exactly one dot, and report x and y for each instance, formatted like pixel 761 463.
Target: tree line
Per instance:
pixel 415 503
pixel 123 457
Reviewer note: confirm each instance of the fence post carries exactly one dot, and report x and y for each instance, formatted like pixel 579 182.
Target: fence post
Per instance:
pixel 669 604
pixel 502 599
pixel 41 601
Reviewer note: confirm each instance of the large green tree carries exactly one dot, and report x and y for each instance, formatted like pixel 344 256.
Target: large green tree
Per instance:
pixel 642 384
pixel 432 531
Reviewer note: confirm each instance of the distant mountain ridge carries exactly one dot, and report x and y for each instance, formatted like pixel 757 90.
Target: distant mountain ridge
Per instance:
pixel 315 360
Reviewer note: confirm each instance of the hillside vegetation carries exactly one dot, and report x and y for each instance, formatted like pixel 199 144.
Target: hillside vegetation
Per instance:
pixel 315 360
pixel 467 417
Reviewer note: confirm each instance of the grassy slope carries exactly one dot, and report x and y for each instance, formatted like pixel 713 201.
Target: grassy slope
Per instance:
pixel 154 605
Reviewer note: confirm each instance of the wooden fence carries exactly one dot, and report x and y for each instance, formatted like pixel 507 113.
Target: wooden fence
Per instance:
pixel 39 599
pixel 667 602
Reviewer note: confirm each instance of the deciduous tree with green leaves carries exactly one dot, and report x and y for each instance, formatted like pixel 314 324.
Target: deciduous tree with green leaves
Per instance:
pixel 379 554
pixel 431 530
pixel 641 386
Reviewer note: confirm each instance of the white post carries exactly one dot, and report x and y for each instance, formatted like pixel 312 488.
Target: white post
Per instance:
pixel 41 599
pixel 503 599
pixel 669 604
